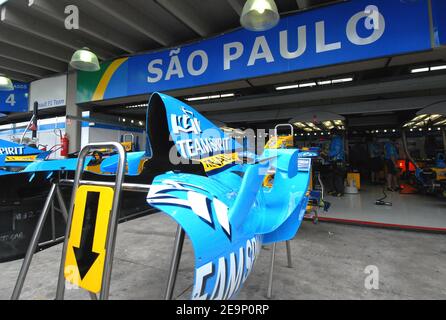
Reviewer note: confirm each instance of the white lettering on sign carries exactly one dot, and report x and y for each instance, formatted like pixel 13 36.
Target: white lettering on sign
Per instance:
pixel 292 45
pixel 12 151
pixel 229 275
pixel 175 68
pixel 260 51
pixel 11 100
pixel 301 47
pixel 230 54
pixel 204 63
pixel 321 45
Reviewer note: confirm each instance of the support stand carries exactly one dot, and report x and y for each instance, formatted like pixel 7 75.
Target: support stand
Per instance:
pixel 175 263
pixel 271 270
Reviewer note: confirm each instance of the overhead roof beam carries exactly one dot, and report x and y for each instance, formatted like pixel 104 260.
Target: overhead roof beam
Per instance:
pixel 31 58
pixel 13 16
pixel 25 41
pixel 89 25
pixel 237 5
pixel 135 19
pixel 17 76
pixel 187 15
pixel 23 68
pixel 303 4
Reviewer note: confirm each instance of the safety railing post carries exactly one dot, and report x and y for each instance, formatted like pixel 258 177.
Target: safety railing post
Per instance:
pixel 113 221
pixel 33 244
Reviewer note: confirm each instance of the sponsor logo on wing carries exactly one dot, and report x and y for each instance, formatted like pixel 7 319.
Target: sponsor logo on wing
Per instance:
pixel 195 200
pixel 186 123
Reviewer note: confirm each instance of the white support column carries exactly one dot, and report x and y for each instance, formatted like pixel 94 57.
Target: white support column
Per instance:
pixel 73 127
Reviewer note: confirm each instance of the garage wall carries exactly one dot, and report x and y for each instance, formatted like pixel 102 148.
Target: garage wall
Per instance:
pixel 92 133
pixel 45 135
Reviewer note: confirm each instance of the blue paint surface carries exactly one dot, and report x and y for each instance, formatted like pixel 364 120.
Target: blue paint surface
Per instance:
pixel 15 101
pixel 404 28
pixel 439 20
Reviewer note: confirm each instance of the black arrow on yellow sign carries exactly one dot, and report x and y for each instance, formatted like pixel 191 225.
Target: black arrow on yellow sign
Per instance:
pixel 85 256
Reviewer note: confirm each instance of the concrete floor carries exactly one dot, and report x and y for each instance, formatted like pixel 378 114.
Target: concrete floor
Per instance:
pixel 411 210
pixel 329 263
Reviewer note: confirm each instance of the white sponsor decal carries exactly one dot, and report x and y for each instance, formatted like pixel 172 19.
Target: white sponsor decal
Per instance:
pixel 229 274
pixel 192 148
pixel 12 151
pixel 200 204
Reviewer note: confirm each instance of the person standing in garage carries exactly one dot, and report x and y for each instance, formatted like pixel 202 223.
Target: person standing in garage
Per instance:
pixel 375 154
pixel 391 157
pixel 336 157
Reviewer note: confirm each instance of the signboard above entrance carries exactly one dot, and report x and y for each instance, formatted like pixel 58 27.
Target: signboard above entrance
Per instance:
pixel 49 92
pixel 345 32
pixel 15 101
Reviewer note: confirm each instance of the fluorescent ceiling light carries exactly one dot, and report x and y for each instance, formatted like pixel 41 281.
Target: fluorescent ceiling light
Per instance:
pixel 418 70
pixel 299 124
pixel 420 124
pixel 228 95
pixel 339 122
pixel 420 117
pixel 308 84
pixel 198 98
pixel 434 117
pixel 314 84
pixel 436 68
pixel 323 83
pixel 213 97
pixel 342 80
pixel 293 86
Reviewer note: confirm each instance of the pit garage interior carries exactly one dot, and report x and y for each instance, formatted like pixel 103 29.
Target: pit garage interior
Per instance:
pixel 376 100
pixel 399 98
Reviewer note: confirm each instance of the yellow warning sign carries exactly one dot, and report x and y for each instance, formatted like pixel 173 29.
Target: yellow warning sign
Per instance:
pixel 85 257
pixel 30 158
pixel 219 161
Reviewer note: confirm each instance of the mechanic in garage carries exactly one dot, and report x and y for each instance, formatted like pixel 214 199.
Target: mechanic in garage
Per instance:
pixel 336 157
pixel 391 157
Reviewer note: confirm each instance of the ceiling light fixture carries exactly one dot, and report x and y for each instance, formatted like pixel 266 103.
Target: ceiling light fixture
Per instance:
pixel 213 97
pixel 436 68
pixel 259 15
pixel 308 84
pixel 6 83
pixel 343 80
pixel 292 86
pixel 419 70
pixel 85 60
